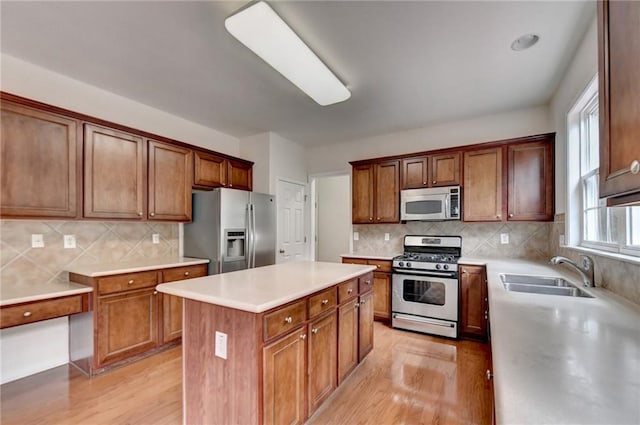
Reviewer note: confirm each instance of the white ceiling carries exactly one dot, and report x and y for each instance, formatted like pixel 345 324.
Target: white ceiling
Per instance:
pixel 407 64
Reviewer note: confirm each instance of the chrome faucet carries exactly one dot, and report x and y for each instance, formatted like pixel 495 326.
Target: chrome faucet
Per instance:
pixel 586 270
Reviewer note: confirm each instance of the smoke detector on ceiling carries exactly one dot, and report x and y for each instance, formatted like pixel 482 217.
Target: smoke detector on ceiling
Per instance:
pixel 524 42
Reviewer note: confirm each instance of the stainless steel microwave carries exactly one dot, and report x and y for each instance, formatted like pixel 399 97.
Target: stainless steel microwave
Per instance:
pixel 435 203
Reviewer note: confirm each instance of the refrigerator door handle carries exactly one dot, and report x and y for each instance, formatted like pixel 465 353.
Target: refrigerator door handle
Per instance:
pixel 253 236
pixel 248 236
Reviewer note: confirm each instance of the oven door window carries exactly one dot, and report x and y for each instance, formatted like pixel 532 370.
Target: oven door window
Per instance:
pixel 433 206
pixel 423 291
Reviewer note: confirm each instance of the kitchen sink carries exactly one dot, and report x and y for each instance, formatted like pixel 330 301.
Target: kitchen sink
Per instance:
pixel 541 285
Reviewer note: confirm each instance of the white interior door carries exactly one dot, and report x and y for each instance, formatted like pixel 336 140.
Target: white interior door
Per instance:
pixel 292 241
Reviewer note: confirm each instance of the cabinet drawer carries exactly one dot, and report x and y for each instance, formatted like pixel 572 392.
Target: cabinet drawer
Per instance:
pixel 187 272
pixel 381 265
pixel 40 310
pixel 284 319
pixel 347 290
pixel 349 260
pixel 365 283
pixel 125 282
pixel 322 302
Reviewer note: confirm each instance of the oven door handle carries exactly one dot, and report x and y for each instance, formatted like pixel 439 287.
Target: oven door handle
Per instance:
pixel 450 275
pixel 423 320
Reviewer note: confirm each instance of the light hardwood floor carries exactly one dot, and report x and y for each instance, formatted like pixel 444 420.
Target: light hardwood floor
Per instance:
pixel 407 379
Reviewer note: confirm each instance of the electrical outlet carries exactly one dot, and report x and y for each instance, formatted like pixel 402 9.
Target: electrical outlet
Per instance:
pixel 386 236
pixel 356 236
pixel 155 238
pixel 69 241
pixel 37 241
pixel 221 345
pixel 504 238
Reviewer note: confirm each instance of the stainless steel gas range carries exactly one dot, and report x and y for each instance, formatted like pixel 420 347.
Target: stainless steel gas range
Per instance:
pixel 425 285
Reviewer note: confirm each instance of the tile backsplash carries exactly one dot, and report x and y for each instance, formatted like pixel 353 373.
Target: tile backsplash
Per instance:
pixel 526 240
pixel 96 242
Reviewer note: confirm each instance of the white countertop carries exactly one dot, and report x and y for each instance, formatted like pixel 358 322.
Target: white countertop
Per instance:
pixel 104 269
pixel 562 360
pixel 370 257
pixel 263 288
pixel 23 293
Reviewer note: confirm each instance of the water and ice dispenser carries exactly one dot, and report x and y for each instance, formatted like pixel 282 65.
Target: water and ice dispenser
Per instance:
pixel 235 244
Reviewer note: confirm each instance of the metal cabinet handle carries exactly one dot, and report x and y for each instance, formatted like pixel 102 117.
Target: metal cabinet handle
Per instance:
pixel 634 168
pixel 464 272
pixel 281 251
pixel 140 214
pixel 152 214
pixel 378 265
pixel 498 216
pixel 357 305
pixel 370 218
pixel 303 336
pixel 325 302
pixel 314 331
pixel 230 184
pixel 130 282
pixel 434 182
pixel 349 291
pixel 26 314
pixel 288 319
pixel 186 273
pixel 489 375
pixel 510 215
pixel 424 183
pixel 155 292
pixel 486 315
pixel 378 219
pixel 363 302
pixel 368 282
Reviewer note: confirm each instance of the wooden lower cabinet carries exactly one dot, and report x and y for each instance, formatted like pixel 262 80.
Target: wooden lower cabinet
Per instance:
pixel 474 306
pixel 36 311
pixel 381 285
pixel 127 324
pixel 365 325
pixel 284 379
pixel 323 361
pixel 172 305
pixel 347 338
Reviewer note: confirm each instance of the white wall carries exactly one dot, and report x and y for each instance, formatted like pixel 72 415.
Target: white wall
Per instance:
pixel 257 149
pixel 25 79
pixel 333 195
pixel 288 161
pixel 526 122
pixel 581 70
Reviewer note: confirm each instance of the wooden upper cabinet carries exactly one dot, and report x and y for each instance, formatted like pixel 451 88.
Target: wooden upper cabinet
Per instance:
pixel 170 181
pixel 530 181
pixel 445 169
pixel 40 163
pixel 209 170
pixel 415 172
pixel 483 185
pixel 114 174
pixel 362 193
pixel 240 174
pixel 619 105
pixel 387 192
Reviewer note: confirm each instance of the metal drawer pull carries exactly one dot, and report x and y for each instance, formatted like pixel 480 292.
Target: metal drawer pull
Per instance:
pixel 130 282
pixel 186 273
pixel 140 214
pixel 349 291
pixel 368 282
pixel 363 302
pixel 489 375
pixel 288 319
pixel 434 182
pixel 635 167
pixel 325 302
pixel 152 214
pixel 357 305
pixel 378 265
pixel 155 292
pixel 303 336
pixel 314 331
pixel 26 314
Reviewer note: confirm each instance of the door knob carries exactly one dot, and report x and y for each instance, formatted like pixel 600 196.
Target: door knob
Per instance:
pixel 281 251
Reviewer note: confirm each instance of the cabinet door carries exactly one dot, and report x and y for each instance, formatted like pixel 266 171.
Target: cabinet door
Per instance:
pixel 445 169
pixel 284 375
pixel 530 182
pixel 365 326
pixel 127 324
pixel 473 301
pixel 209 170
pixel 347 339
pixel 323 361
pixel 240 175
pixel 362 194
pixel 415 173
pixel 172 305
pixel 170 181
pixel 387 192
pixel 619 62
pixel 483 185
pixel 114 174
pixel 382 295
pixel 39 164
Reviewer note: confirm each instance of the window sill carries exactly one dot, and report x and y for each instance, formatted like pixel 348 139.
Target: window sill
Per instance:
pixel 612 255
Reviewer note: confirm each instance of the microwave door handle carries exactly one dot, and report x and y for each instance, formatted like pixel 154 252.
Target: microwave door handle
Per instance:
pixel 446 207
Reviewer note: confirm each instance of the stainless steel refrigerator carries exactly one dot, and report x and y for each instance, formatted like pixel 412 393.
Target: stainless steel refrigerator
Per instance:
pixel 235 229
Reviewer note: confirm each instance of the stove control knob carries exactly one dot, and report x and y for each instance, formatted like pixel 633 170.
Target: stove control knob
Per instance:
pixel 438 266
pixel 446 267
pixel 401 264
pixel 408 264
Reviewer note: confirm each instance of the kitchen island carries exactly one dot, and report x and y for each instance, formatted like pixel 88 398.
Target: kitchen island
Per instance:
pixel 270 344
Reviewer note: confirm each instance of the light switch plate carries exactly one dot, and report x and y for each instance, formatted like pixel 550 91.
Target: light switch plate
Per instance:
pixel 221 345
pixel 504 238
pixel 37 241
pixel 356 236
pixel 69 241
pixel 155 238
pixel 386 236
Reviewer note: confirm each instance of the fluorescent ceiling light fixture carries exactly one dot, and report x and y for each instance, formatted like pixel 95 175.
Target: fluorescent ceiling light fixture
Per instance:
pixel 260 29
pixel 524 42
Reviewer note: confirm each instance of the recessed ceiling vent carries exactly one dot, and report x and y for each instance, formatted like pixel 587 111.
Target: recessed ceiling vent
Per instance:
pixel 524 42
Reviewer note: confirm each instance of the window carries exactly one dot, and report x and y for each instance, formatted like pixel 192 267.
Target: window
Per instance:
pixel 591 224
